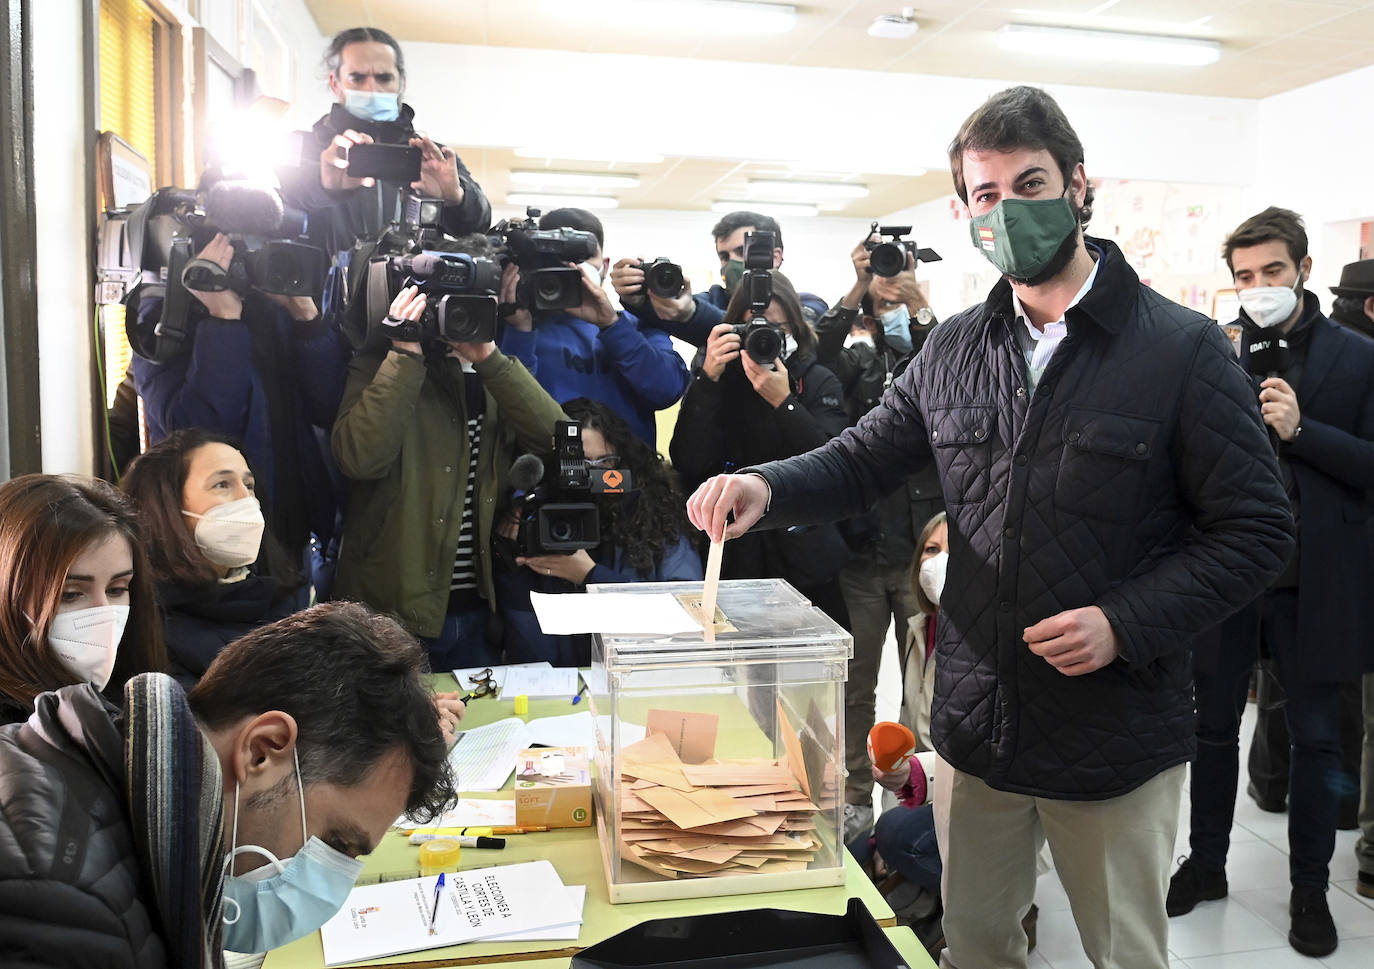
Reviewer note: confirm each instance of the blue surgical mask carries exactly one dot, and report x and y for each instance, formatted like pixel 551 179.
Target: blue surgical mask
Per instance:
pixel 373 105
pixel 897 328
pixel 286 899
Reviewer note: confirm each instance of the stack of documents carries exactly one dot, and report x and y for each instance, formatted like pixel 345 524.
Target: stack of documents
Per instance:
pixel 507 903
pixel 715 818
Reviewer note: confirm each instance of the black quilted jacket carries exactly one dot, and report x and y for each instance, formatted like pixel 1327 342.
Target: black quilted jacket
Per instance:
pixel 72 893
pixel 1138 478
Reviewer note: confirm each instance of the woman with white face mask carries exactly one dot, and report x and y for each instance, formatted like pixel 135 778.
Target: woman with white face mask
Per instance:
pixel 219 572
pixel 78 604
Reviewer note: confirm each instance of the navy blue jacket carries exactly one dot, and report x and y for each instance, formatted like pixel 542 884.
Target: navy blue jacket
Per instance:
pixel 1333 460
pixel 634 372
pixel 274 385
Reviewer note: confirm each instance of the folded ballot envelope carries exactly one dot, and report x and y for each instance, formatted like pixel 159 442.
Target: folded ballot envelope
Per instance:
pixel 553 788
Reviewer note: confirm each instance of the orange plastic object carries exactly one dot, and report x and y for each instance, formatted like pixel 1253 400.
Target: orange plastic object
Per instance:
pixel 890 745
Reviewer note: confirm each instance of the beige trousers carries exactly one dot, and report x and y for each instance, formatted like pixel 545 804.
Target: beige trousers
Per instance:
pixel 1113 857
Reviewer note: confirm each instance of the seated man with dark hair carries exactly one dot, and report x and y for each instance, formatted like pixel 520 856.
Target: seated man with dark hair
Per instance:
pixel 591 350
pixel 692 318
pixel 138 837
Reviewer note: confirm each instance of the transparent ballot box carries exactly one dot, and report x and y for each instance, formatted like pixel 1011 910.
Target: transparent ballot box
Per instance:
pixel 719 766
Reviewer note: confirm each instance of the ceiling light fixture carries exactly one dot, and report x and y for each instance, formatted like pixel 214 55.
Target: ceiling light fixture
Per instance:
pixel 611 157
pixel 705 16
pixel 542 201
pixel 594 181
pixel 1108 45
pixel 895 26
pixel 764 208
pixel 788 189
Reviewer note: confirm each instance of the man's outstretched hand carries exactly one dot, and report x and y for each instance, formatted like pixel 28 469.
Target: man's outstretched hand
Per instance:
pixel 744 494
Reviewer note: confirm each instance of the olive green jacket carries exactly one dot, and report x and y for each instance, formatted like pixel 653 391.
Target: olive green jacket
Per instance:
pixel 401 438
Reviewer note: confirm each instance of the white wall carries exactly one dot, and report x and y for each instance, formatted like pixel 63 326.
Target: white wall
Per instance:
pixel 65 311
pixel 1317 153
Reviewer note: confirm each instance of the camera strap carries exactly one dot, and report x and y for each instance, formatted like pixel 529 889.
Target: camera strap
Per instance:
pixel 170 332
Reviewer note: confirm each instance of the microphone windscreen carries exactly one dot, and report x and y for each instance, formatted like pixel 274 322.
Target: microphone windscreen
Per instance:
pixel 890 745
pixel 426 264
pixel 242 208
pixel 526 472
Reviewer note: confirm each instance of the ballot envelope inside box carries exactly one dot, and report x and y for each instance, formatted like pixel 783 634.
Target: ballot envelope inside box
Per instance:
pixel 719 766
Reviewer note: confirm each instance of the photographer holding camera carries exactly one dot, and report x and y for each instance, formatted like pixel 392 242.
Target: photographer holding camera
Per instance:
pixel 367 79
pixel 427 433
pixel 642 536
pixel 260 368
pixel 590 350
pixel 739 411
pixel 876 581
pixel 692 318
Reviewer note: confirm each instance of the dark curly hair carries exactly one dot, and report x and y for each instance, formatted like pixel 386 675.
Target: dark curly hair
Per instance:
pixel 357 685
pixel 643 528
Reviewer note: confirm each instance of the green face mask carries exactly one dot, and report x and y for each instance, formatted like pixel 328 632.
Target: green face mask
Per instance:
pixel 1021 236
pixel 733 273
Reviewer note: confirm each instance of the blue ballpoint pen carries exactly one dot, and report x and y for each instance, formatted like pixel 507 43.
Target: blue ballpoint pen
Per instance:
pixel 438 888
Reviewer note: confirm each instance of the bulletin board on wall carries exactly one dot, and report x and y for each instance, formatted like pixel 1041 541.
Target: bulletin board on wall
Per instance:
pixel 1171 234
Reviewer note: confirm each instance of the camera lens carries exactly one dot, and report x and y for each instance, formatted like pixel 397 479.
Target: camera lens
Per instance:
pixel 561 530
pixel 763 342
pixel 887 259
pixel 665 280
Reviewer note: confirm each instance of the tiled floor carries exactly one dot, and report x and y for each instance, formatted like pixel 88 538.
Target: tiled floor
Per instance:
pixel 1248 929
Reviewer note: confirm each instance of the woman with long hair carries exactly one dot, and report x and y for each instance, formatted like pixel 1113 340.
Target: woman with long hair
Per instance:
pixel 645 537
pixel 738 412
pixel 76 594
pixel 219 573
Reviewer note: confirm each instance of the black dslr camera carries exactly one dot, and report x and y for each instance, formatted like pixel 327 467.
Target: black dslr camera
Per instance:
pixel 759 338
pixel 164 234
pixel 557 514
pixel 662 277
pixel 547 282
pixel 460 292
pixel 889 258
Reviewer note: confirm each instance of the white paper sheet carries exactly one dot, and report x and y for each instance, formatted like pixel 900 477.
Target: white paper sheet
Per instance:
pixel 596 680
pixel 553 683
pixel 471 811
pixel 498 674
pixel 393 917
pixel 577 894
pixel 626 613
pixel 484 757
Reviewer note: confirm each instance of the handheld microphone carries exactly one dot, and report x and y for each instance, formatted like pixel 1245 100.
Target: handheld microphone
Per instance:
pixel 526 472
pixel 1269 356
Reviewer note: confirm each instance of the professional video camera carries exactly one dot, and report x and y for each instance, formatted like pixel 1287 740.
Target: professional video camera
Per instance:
pixel 460 292
pixel 547 282
pixel 662 277
pixel 889 258
pixel 759 338
pixel 163 234
pixel 556 515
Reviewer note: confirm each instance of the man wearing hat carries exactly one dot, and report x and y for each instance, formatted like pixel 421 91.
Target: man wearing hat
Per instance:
pixel 1354 307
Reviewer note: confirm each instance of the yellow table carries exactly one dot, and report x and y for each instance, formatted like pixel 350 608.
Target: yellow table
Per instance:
pixel 576 855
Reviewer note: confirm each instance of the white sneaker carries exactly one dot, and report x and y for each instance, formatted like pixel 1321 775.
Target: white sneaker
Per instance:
pixel 858 819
